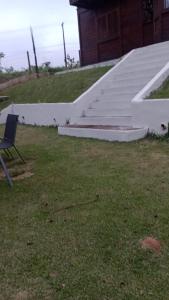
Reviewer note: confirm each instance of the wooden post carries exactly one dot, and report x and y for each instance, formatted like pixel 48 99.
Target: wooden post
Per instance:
pixel 64 44
pixel 29 64
pixel 34 51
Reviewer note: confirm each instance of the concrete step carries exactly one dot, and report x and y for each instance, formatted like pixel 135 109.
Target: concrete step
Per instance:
pixel 135 69
pixel 127 73
pixel 106 112
pixel 152 49
pixel 130 79
pixel 123 89
pixel 124 84
pixel 142 63
pixel 161 58
pixel 110 105
pixel 159 54
pixel 114 121
pixel 121 134
pixel 115 97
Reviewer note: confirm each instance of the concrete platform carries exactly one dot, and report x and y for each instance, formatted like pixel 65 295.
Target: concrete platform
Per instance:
pixel 108 133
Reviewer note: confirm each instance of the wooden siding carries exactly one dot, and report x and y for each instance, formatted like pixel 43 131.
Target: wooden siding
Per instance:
pixel 88 37
pixel 113 29
pixel 165 25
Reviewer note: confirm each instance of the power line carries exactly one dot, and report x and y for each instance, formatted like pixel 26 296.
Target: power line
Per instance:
pixel 40 51
pixel 34 27
pixel 44 47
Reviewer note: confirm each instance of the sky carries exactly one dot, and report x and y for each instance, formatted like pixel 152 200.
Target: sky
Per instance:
pixel 45 17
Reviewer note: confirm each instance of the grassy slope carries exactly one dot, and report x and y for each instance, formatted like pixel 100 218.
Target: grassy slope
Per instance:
pixel 88 251
pixel 162 92
pixel 8 76
pixel 60 88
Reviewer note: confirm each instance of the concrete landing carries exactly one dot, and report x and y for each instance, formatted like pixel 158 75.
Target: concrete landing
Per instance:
pixel 108 133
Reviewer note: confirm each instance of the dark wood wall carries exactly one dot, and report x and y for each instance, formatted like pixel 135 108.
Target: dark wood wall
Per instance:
pixel 118 26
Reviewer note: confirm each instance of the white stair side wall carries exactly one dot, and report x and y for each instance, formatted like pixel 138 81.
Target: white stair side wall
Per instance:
pixel 42 114
pixel 152 114
pixel 153 84
pixel 4 113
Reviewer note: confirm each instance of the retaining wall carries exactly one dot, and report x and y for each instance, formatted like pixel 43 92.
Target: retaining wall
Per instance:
pixel 46 114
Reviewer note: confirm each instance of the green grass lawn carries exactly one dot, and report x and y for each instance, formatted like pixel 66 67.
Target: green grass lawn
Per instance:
pixel 72 230
pixel 52 89
pixel 162 92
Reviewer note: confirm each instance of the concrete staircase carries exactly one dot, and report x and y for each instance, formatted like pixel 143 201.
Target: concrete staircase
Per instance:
pixel 106 109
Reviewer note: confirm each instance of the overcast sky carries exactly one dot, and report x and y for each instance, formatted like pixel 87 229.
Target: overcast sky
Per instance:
pixel 45 16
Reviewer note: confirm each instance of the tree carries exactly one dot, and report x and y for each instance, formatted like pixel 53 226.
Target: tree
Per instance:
pixel 2 55
pixel 71 63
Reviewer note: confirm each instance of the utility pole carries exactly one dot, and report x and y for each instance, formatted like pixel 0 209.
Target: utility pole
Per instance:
pixel 64 44
pixel 29 64
pixel 34 51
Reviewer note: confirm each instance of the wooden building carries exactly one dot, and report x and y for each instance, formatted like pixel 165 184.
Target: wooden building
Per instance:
pixel 110 28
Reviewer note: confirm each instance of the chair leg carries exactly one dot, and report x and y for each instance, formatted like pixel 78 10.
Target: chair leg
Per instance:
pixel 6 172
pixel 8 153
pixel 17 151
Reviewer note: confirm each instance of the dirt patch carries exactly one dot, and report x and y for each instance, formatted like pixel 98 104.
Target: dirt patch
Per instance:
pixel 159 155
pixel 23 295
pixel 23 176
pixel 18 170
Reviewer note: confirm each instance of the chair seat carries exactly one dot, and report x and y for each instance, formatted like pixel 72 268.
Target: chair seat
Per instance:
pixel 5 145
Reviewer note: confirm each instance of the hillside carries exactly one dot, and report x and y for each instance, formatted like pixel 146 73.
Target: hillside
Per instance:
pixel 53 89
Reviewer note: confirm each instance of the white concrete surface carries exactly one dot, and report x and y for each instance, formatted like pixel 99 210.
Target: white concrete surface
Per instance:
pixel 46 114
pixel 103 134
pixel 152 113
pixel 4 113
pixel 118 97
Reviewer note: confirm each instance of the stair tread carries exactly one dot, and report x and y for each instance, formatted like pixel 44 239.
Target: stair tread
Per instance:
pixel 106 127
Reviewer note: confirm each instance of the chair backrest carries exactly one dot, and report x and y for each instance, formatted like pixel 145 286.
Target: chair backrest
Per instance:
pixel 10 128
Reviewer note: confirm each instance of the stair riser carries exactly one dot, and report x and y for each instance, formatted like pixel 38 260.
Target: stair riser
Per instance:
pixel 129 76
pixel 134 70
pixel 108 135
pixel 147 59
pixel 110 105
pixel 108 113
pixel 114 121
pixel 135 66
pixel 151 50
pixel 124 86
pixel 131 80
pixel 115 97
pixel 121 90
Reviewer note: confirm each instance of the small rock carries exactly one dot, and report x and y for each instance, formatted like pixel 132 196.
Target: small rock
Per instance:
pixel 51 221
pixel 54 274
pixel 29 243
pixel 122 283
pixel 151 244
